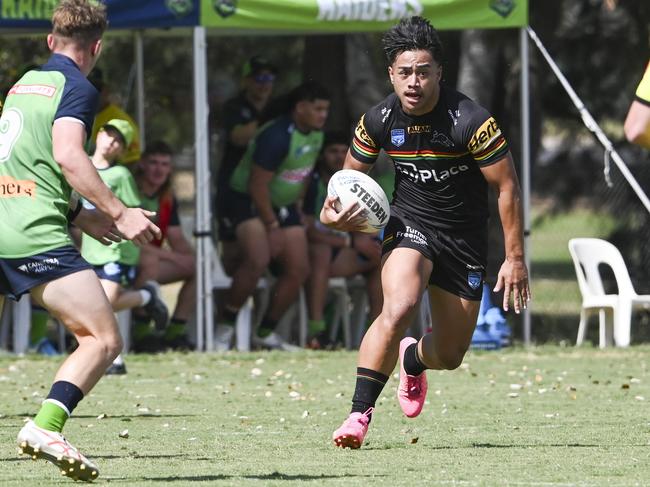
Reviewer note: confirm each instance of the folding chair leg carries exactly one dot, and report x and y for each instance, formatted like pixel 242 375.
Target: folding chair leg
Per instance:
pixel 359 316
pixel 345 318
pixel 609 327
pixel 5 323
pixel 582 327
pixel 302 318
pixel 22 317
pixel 243 326
pixel 336 319
pixel 603 331
pixel 622 323
pixel 60 329
pixel 124 324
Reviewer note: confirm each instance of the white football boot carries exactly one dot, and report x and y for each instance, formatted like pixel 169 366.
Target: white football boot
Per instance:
pixel 53 447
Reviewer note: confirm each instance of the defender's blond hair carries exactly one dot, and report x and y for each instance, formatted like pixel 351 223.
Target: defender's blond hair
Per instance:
pixel 83 21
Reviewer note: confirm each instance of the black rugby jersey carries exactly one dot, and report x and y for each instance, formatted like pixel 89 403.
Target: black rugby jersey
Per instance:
pixel 437 157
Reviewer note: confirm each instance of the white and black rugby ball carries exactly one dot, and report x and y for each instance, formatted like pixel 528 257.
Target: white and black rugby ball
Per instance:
pixel 349 185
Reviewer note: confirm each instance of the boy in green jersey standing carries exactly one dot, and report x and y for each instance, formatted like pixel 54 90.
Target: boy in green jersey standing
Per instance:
pixel 116 264
pixel 44 125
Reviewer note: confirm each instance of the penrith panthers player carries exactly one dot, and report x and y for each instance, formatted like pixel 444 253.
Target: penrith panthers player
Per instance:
pixel 447 151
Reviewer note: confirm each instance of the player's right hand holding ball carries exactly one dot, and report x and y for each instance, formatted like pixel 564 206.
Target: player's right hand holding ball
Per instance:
pixel 350 218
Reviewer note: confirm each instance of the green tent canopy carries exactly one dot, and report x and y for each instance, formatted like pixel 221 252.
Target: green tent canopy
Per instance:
pixel 342 16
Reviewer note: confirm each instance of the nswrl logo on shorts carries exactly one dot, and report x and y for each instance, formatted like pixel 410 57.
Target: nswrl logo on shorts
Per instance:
pixel 474 279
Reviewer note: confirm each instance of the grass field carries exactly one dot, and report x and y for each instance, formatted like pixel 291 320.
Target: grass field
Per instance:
pixel 545 417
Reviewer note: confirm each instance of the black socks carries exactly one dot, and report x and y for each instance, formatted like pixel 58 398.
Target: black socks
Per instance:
pixel 411 361
pixel 369 385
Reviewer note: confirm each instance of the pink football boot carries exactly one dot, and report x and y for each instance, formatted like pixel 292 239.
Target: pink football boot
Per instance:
pixel 412 389
pixel 353 430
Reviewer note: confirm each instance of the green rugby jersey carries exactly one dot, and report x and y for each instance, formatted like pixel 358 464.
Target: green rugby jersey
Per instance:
pixel 121 183
pixel 34 195
pixel 280 147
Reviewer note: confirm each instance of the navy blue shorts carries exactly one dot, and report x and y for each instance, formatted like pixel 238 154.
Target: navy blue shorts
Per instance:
pixel 459 257
pixel 122 274
pixel 18 276
pixel 234 208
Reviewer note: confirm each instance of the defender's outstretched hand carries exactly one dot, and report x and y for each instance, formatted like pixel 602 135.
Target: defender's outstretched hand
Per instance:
pixel 134 224
pixel 97 225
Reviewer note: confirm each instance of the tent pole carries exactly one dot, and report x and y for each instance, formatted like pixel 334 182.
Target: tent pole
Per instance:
pixel 525 164
pixel 139 84
pixel 204 315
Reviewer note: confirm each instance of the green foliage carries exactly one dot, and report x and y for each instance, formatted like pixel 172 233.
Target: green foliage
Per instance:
pixel 544 416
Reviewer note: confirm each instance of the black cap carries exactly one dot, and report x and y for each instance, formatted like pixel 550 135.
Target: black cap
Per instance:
pixel 256 65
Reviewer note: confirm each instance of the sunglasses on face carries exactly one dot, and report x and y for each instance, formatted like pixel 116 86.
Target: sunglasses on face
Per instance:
pixel 264 78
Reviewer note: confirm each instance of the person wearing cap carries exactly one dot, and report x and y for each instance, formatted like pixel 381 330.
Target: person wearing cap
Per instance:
pixel 264 213
pixel 116 264
pixel 109 110
pixel 241 117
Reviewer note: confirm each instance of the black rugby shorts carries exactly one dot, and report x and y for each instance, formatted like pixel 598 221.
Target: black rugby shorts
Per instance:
pixel 459 257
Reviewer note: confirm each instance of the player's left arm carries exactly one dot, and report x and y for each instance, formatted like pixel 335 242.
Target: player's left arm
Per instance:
pixel 513 274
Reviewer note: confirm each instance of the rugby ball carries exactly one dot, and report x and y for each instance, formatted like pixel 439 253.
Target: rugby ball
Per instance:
pixel 349 185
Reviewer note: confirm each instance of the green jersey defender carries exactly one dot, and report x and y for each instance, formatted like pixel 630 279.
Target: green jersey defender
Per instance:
pixel 34 195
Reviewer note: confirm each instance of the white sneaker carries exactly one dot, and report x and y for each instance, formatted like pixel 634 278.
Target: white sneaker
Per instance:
pixel 223 335
pixel 274 342
pixel 53 447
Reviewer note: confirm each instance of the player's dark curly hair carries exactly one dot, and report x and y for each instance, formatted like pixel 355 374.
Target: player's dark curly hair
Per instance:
pixel 412 34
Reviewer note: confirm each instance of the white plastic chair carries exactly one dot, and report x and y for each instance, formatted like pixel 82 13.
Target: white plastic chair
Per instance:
pixel 588 254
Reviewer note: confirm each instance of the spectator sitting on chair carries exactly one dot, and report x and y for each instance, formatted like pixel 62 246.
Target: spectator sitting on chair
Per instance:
pixel 241 119
pixel 263 212
pixel 333 253
pixel 116 264
pixel 172 262
pixel 241 116
pixel 109 110
pixel 637 122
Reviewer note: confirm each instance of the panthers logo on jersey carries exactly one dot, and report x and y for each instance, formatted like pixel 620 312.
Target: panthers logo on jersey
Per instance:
pixel 361 132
